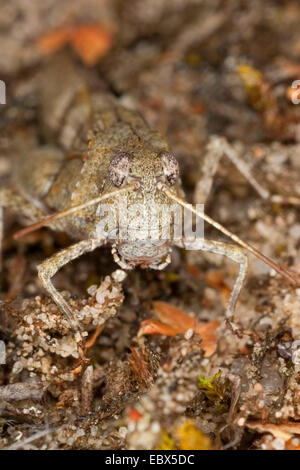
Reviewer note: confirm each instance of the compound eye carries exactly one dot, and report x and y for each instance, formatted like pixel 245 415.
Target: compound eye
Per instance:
pixel 119 168
pixel 170 166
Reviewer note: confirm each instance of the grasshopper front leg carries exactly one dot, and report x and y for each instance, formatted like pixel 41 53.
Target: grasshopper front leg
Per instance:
pixel 236 254
pixel 50 266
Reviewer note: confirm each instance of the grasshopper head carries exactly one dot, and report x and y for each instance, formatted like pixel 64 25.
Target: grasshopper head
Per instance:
pixel 144 166
pixel 144 225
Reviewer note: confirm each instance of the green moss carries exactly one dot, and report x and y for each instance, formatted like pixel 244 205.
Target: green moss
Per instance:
pixel 216 391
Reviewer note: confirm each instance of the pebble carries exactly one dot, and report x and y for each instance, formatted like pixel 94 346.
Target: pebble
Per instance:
pixel 278 444
pixel 119 275
pixel 189 333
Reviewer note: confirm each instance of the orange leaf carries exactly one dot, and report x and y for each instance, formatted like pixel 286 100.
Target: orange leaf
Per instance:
pixel 174 317
pixel 90 42
pixel 207 332
pixel 291 445
pixel 134 415
pixel 174 321
pixel 51 42
pixel 154 327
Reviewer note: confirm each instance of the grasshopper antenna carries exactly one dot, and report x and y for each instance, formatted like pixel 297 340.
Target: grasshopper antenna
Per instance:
pixel 59 215
pixel 283 272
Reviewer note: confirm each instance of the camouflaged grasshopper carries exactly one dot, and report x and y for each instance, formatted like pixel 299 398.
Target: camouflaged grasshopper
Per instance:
pixel 114 152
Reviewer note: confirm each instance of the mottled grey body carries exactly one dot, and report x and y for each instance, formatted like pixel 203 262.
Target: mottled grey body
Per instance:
pixel 55 181
pixel 102 146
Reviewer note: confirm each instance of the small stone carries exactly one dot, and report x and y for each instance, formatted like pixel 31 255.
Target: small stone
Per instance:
pixel 92 289
pixel 189 333
pixel 123 432
pixel 155 427
pixel 278 444
pixel 258 387
pixel 119 275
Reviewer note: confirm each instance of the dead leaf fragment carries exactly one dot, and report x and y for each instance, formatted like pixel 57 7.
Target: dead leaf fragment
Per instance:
pixel 134 415
pixel 283 431
pixel 154 327
pixel 65 399
pixel 173 322
pixel 54 40
pixel 90 41
pixel 139 364
pixel 174 317
pixel 207 332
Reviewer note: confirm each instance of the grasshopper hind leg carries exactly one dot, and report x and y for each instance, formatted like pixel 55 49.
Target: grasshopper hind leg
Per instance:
pixel 236 254
pixel 11 200
pixel 216 148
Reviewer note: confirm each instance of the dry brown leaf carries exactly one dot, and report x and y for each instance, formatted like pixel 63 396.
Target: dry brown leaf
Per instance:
pixel 65 399
pixel 173 321
pixel 283 431
pixel 154 327
pixel 207 332
pixel 174 317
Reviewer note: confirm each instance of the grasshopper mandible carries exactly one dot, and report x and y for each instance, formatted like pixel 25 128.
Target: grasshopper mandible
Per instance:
pixel 121 155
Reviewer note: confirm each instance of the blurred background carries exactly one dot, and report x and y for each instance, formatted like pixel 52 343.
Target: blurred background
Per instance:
pixel 191 67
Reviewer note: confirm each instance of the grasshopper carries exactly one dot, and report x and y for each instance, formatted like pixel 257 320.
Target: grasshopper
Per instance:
pixel 107 150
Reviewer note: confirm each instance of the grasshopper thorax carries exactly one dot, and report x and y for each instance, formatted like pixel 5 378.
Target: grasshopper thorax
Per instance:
pixel 144 225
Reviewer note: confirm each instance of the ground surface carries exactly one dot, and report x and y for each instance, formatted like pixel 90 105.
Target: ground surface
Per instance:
pixel 193 68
